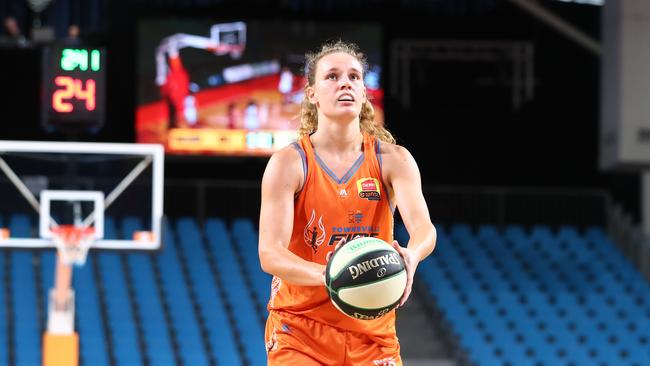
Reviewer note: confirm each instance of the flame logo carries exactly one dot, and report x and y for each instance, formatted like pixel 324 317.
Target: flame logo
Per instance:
pixel 314 236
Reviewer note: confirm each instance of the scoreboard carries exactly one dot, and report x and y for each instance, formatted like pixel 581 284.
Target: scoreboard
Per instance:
pixel 73 87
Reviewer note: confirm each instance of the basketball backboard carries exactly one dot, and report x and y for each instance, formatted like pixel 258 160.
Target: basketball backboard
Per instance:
pixel 233 34
pixel 116 189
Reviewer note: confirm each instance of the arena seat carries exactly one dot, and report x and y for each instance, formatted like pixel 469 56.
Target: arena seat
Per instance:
pixel 176 295
pixel 26 327
pixel 88 311
pixel 544 296
pixel 155 330
pixel 207 292
pixel 117 303
pixel 509 295
pixel 245 238
pixel 248 327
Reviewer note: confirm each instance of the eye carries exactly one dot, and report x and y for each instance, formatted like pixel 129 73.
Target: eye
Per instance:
pixel 331 76
pixel 355 77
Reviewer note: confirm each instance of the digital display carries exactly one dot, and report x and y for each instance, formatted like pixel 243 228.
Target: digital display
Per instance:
pixel 73 87
pixel 214 87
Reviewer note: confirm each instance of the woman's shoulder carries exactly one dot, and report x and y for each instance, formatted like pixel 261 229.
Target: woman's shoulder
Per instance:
pixel 390 150
pixel 285 166
pixel 396 160
pixel 293 152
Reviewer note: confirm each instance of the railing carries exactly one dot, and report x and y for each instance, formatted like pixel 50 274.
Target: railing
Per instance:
pixel 630 238
pixel 522 206
pixel 472 205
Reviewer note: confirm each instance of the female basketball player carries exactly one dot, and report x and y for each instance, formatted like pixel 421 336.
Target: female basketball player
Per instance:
pixel 344 174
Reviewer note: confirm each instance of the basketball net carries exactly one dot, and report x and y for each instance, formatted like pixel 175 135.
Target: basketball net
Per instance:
pixel 72 243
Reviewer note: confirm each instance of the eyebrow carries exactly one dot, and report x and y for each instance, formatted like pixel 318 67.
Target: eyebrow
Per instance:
pixel 337 69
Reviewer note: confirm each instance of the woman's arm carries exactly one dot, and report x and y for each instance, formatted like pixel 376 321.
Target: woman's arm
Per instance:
pixel 282 179
pixel 403 177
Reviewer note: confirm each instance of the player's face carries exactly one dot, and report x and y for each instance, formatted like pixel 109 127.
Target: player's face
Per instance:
pixel 338 91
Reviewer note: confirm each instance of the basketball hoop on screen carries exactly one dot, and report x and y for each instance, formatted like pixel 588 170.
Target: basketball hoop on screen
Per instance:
pixel 72 243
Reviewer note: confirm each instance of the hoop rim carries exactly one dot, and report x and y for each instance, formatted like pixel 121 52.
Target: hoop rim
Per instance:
pixel 72 242
pixel 69 228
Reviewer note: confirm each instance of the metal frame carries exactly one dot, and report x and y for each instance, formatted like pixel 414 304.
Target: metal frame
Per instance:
pixel 97 197
pixel 152 154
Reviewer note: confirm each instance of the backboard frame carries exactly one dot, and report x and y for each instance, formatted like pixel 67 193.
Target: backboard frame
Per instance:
pixel 151 153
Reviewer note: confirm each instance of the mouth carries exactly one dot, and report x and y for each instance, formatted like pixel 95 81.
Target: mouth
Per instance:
pixel 346 98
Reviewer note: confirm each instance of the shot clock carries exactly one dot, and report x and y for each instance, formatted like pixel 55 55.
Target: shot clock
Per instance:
pixel 73 88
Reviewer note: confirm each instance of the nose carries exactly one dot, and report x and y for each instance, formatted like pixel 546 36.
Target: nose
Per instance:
pixel 345 83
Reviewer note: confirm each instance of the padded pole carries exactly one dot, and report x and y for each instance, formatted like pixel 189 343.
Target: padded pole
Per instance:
pixel 60 349
pixel 62 284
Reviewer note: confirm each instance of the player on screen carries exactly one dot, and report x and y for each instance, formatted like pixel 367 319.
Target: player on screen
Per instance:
pixel 310 189
pixel 173 78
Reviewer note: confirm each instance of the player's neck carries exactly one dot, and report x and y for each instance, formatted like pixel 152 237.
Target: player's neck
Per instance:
pixel 337 137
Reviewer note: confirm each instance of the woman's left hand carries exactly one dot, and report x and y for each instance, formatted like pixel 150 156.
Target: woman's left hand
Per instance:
pixel 411 261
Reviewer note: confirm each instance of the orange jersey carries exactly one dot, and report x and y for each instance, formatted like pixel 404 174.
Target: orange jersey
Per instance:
pixel 327 209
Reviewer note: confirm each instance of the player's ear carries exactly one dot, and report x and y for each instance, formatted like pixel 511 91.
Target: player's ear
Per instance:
pixel 310 95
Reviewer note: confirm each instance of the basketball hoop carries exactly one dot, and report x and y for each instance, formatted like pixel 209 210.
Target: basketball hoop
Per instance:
pixel 72 243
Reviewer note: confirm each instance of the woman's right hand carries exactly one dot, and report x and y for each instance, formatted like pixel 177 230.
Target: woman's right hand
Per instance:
pixel 338 245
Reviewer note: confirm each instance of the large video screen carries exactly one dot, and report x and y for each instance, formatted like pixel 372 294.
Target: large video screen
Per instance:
pixel 215 87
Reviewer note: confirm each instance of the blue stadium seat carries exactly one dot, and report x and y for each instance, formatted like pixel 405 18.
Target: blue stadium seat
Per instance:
pixel 121 320
pixel 249 328
pixel 158 345
pixel 177 295
pixel 245 239
pixel 27 330
pixel 206 290
pixel 549 298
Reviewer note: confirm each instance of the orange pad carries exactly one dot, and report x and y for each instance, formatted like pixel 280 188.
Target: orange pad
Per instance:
pixel 60 349
pixel 143 236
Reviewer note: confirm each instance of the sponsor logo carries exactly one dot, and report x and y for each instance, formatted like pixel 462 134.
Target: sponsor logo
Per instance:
pixel 314 235
pixel 381 272
pixel 368 188
pixel 343 193
pixel 355 216
pixel 383 261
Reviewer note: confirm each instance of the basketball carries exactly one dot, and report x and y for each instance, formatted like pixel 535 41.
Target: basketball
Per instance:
pixel 365 278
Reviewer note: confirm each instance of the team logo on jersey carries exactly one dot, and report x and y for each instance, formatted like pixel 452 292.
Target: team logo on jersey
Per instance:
pixel 368 188
pixel 354 216
pixel 314 235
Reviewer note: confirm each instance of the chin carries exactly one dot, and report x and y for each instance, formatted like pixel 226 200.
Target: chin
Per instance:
pixel 343 114
pixel 346 117
pixel 349 112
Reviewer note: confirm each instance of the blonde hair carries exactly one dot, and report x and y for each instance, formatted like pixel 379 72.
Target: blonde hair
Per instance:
pixel 308 111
